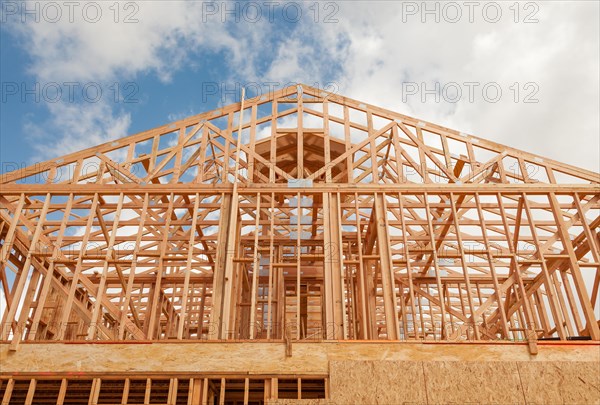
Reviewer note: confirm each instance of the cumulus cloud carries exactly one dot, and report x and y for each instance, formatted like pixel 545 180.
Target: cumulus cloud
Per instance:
pixel 153 37
pixel 372 50
pixel 160 39
pixel 386 49
pixel 81 126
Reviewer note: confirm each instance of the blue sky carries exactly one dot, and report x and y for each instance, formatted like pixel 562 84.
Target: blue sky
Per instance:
pixel 175 59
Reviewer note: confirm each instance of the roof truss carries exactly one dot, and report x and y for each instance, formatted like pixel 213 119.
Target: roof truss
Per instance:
pixel 327 218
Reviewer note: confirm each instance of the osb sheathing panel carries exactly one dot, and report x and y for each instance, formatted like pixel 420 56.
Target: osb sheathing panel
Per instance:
pixel 300 402
pixel 360 373
pixel 377 382
pixel 561 382
pixel 459 382
pixel 262 357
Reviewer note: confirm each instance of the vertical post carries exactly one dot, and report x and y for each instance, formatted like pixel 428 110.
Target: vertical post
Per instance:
pixel 299 229
pixel 365 330
pixel 188 268
pixel 333 278
pixel 214 331
pixel 256 268
pixel 95 391
pixel 411 288
pixel 246 390
pixel 228 236
pixel 222 392
pixel 31 392
pixel 155 304
pixel 172 396
pixel 125 397
pixel 387 270
pixel 300 136
pixel 148 391
pixel 205 392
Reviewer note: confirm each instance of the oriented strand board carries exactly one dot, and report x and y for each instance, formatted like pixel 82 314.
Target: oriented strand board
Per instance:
pixel 465 382
pixel 377 382
pixel 561 382
pixel 299 402
pixel 263 357
pixel 460 382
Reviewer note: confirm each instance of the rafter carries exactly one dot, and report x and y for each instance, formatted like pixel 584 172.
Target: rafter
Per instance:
pixel 339 218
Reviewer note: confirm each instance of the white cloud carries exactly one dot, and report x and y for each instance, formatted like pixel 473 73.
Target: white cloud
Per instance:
pixel 165 38
pixel 560 54
pixel 370 52
pixel 164 34
pixel 81 125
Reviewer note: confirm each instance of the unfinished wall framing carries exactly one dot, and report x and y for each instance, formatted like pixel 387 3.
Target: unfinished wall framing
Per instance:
pixel 299 215
pixel 157 389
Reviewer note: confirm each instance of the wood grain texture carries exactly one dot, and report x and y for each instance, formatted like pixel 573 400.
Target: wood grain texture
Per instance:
pixel 265 358
pixel 299 211
pixel 452 382
pixel 319 237
pixel 561 382
pixel 377 382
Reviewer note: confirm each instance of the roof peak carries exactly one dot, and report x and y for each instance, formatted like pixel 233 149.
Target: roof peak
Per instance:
pixel 380 146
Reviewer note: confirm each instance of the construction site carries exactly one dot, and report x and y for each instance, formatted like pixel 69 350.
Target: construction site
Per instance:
pixel 300 247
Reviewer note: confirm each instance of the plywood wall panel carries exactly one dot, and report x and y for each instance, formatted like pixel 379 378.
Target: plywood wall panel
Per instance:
pixel 561 382
pixel 300 402
pixel 377 382
pixel 460 382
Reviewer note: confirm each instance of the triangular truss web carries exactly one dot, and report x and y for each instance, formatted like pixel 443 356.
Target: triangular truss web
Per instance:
pixel 326 218
pixel 361 143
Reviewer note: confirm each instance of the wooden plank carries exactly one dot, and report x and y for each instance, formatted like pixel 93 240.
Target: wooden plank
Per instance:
pixel 62 392
pixel 387 270
pixel 188 269
pixel 30 392
pixel 157 287
pixel 162 189
pixel 148 264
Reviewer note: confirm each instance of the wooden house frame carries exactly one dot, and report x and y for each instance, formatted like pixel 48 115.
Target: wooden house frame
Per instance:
pixel 297 216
